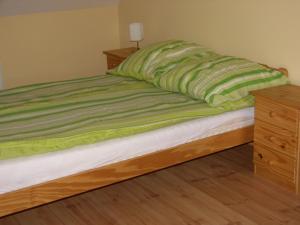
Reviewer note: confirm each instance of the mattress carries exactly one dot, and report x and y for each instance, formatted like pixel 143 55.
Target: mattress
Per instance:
pixel 27 171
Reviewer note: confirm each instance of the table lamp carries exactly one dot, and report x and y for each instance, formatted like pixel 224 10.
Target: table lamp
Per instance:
pixel 136 32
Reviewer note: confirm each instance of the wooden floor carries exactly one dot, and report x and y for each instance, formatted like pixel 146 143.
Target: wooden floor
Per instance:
pixel 219 189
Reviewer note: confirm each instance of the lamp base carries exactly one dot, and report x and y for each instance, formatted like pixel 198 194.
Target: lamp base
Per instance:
pixel 137 43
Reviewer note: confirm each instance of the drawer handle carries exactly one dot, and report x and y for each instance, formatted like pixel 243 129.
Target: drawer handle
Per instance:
pixel 283 146
pixel 260 156
pixel 272 114
pixel 274 139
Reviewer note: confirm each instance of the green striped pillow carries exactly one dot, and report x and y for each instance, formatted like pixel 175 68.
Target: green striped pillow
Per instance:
pixel 159 57
pixel 218 79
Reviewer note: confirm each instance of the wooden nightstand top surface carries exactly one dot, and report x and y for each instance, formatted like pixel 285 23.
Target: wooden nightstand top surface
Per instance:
pixel 121 53
pixel 288 95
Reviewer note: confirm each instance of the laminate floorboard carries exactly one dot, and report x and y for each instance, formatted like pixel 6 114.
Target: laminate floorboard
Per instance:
pixel 219 189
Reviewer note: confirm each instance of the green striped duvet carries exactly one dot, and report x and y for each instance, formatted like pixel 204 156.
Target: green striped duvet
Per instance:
pixel 48 117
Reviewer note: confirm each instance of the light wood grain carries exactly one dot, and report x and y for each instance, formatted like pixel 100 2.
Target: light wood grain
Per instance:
pixel 266 173
pixel 276 137
pixel 284 71
pixel 78 183
pixel 281 69
pixel 121 53
pixel 216 190
pixel 276 162
pixel 276 113
pixel 287 95
pixel 298 162
pixel 113 61
pixel 117 56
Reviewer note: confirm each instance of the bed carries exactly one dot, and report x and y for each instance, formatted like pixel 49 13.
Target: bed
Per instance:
pixel 50 155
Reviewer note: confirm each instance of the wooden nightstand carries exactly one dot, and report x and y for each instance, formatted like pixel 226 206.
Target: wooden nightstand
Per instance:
pixel 276 135
pixel 115 57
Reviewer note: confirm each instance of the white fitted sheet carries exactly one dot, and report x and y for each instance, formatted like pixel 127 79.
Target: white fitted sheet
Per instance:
pixel 23 172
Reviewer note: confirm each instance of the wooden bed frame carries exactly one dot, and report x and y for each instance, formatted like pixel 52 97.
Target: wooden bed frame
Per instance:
pixel 50 191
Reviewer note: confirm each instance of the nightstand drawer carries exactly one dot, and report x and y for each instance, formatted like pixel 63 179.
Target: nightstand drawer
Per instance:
pixel 275 162
pixel 277 138
pixel 276 114
pixel 264 172
pixel 113 62
pixel 117 56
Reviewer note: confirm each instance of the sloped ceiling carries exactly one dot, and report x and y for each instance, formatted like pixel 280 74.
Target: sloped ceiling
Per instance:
pixel 17 7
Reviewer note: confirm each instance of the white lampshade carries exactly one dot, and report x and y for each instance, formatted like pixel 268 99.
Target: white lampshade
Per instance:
pixel 136 31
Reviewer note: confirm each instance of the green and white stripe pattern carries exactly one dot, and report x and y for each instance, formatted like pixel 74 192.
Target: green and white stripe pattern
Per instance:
pixel 144 62
pixel 48 117
pixel 218 79
pixel 197 72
